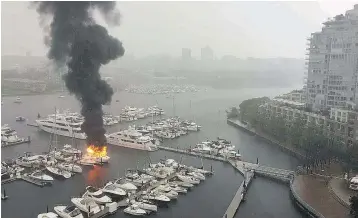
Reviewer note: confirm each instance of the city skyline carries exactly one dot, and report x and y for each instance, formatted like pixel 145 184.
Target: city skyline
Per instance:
pixel 229 28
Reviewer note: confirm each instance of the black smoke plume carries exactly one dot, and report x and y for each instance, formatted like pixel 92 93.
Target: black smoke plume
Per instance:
pixel 76 40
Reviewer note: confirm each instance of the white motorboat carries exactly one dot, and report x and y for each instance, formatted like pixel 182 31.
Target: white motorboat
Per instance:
pixel 47 215
pixel 182 184
pixel 20 118
pixel 70 167
pixel 68 149
pixel 204 172
pixel 188 179
pixel 167 192
pixel 58 172
pixel 97 195
pixel 196 175
pixel 123 184
pixel 18 100
pixel 40 176
pixel 68 211
pixel 135 210
pixel 87 161
pixel 144 205
pixel 112 189
pixel 177 188
pixel 157 197
pixel 28 161
pixel 87 205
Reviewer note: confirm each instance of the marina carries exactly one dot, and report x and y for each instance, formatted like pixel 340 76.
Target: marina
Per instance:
pixel 74 183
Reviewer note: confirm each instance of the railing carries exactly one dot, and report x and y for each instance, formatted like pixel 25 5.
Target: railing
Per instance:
pixel 308 209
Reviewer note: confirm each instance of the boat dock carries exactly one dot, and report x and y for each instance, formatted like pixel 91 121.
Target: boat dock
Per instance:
pixel 196 154
pixel 35 182
pixel 247 169
pixel 240 194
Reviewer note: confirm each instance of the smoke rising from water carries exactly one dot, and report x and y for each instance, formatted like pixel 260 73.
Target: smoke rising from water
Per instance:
pixel 75 40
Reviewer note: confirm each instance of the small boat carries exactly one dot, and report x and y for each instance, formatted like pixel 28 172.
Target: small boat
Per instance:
pixel 58 172
pixel 68 211
pixel 177 188
pixel 182 184
pixel 112 189
pixel 135 210
pixel 97 195
pixel 167 192
pixel 47 215
pixel 67 149
pixel 87 161
pixel 87 205
pixel 20 118
pixel 17 100
pixel 157 197
pixel 70 167
pixel 123 184
pixel 61 96
pixel 196 175
pixel 40 176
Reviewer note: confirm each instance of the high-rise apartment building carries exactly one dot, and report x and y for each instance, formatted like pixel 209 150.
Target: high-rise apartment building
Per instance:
pixel 185 54
pixel 332 65
pixel 207 53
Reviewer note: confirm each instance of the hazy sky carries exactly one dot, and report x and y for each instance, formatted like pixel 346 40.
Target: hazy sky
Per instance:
pixel 243 29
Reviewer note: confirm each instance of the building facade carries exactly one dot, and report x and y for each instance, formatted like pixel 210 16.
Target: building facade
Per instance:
pixel 342 123
pixel 332 64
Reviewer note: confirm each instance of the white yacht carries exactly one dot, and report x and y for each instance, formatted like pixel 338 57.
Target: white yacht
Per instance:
pixel 58 172
pixel 70 167
pixel 47 215
pixel 113 190
pixel 97 195
pixel 87 205
pixel 40 176
pixel 90 160
pixel 131 138
pixel 68 125
pixel 135 210
pixel 68 211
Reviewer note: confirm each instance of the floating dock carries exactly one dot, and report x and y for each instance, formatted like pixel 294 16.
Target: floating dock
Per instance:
pixel 196 154
pixel 35 182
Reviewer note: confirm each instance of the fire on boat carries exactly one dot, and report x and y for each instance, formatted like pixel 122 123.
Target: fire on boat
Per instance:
pixel 97 153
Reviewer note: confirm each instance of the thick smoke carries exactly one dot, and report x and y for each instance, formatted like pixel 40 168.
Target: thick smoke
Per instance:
pixel 77 41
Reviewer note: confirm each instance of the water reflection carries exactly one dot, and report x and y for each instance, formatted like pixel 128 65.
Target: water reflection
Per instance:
pixel 97 176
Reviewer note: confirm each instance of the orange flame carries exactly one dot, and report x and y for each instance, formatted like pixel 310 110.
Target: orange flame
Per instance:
pixel 97 151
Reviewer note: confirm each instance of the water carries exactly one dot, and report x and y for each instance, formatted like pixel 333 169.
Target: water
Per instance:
pixel 210 199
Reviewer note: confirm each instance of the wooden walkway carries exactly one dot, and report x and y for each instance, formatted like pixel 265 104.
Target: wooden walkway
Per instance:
pixel 235 203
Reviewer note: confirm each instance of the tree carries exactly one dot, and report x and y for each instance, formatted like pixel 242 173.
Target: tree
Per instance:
pixel 233 113
pixel 354 206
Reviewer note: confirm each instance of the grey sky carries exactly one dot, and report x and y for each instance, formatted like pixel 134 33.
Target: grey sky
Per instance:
pixel 243 29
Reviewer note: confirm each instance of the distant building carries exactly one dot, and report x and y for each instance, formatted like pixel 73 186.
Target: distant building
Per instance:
pixel 186 54
pixel 332 65
pixel 207 53
pixel 295 95
pixel 23 84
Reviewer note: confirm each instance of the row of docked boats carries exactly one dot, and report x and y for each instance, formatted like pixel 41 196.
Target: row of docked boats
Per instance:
pixel 161 89
pixel 220 147
pixel 139 192
pixel 9 136
pixel 132 113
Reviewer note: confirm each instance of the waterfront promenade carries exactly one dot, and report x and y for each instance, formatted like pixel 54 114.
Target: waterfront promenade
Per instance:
pixel 328 199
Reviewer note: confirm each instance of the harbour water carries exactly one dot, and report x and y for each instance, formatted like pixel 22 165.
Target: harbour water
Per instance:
pixel 210 199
